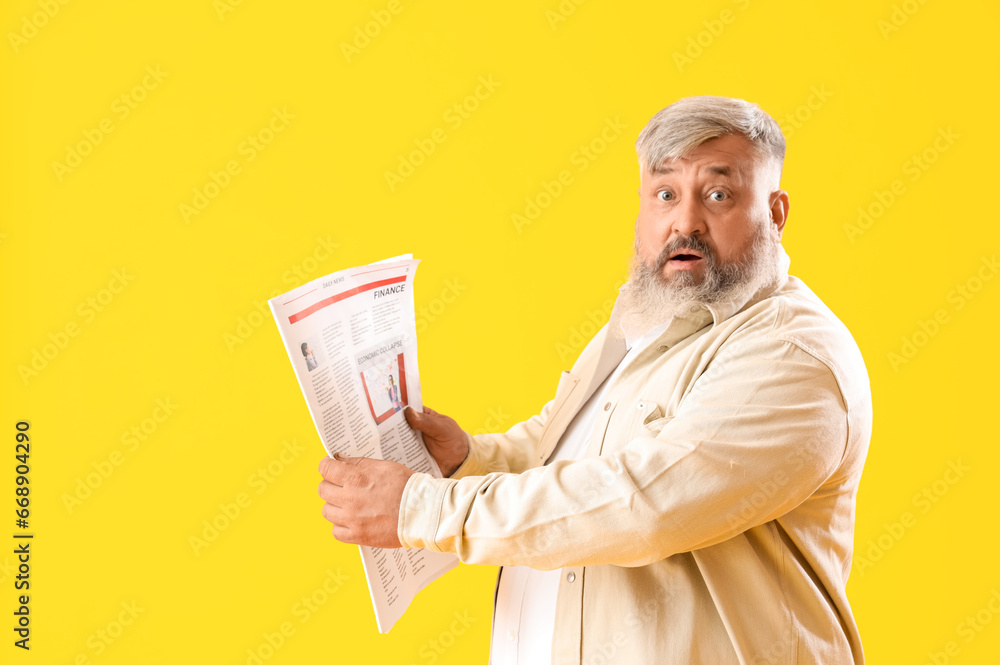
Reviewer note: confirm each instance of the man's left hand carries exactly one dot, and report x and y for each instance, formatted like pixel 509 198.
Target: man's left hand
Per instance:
pixel 362 499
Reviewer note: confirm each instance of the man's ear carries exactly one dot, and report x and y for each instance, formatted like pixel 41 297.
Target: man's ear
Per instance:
pixel 779 209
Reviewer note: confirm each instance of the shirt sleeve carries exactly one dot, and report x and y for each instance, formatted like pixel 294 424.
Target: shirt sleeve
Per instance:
pixel 512 452
pixel 766 420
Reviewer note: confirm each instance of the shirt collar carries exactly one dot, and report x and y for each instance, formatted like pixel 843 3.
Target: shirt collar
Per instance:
pixel 643 339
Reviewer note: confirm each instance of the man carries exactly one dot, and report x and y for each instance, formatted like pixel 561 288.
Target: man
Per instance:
pixel 691 487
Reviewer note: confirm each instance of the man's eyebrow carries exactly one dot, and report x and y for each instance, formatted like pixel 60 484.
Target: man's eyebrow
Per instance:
pixel 720 170
pixel 723 170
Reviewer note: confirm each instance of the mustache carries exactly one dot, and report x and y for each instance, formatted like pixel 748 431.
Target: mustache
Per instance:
pixel 681 243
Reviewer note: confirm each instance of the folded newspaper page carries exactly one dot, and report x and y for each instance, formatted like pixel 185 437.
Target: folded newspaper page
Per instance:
pixel 352 340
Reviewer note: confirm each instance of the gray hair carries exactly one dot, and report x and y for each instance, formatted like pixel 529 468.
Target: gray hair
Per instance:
pixel 686 124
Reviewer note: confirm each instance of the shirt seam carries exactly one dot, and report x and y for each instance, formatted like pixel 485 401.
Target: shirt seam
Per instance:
pixel 828 364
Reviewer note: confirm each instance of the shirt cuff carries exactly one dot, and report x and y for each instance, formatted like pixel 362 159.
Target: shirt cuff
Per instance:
pixel 420 511
pixel 476 462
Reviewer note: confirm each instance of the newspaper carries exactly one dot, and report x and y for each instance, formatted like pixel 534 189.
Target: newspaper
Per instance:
pixel 352 340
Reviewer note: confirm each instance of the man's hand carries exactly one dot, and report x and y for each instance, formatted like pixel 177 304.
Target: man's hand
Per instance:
pixel 447 443
pixel 362 499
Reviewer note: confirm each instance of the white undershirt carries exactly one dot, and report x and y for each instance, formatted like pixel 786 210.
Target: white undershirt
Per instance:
pixel 525 614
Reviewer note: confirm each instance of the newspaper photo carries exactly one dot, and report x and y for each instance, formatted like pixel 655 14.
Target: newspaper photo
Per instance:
pixel 352 340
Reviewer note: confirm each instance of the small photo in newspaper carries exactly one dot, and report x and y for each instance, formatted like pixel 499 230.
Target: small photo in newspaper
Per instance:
pixel 383 377
pixel 312 353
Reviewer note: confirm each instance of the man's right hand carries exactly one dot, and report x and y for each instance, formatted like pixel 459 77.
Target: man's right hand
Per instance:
pixel 447 443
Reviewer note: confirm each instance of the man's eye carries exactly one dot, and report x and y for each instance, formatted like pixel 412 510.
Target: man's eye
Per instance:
pixel 717 196
pixel 664 195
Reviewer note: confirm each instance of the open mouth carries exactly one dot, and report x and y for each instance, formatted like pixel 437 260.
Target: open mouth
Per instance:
pixel 685 255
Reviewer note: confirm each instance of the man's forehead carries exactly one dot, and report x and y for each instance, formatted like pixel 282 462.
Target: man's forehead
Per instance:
pixel 731 155
pixel 735 171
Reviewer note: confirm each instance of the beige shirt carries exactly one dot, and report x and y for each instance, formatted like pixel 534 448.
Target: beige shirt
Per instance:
pixel 712 518
pixel 524 607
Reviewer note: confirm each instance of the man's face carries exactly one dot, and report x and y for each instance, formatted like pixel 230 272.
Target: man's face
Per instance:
pixel 709 230
pixel 703 211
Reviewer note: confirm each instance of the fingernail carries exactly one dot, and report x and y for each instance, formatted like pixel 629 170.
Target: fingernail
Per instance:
pixel 338 456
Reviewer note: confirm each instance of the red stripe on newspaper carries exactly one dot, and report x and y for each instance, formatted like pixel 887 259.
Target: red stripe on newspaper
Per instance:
pixel 297 297
pixel 326 302
pixel 371 408
pixel 385 416
pixel 402 380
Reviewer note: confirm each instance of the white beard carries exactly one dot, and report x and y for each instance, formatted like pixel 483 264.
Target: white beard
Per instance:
pixel 650 299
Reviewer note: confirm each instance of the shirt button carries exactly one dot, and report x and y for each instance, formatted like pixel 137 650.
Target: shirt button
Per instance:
pixel 511 635
pixel 641 405
pixel 607 405
pixel 662 349
pixel 571 577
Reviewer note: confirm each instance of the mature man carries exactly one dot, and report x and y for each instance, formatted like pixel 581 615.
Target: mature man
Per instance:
pixel 688 495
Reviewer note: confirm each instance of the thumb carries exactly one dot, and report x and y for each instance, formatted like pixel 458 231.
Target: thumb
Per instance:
pixel 416 420
pixel 427 422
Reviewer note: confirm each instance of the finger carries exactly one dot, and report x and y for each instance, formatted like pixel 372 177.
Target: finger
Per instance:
pixel 412 417
pixel 412 414
pixel 334 515
pixel 339 468
pixel 419 421
pixel 324 465
pixel 331 493
pixel 344 535
pixel 428 422
pixel 341 457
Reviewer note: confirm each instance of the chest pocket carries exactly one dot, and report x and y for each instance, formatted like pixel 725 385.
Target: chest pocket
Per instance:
pixel 650 419
pixel 643 418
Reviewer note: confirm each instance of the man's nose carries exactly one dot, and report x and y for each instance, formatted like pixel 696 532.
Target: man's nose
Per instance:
pixel 688 218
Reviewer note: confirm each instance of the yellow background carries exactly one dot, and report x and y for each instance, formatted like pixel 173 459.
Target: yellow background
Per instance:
pixel 860 87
